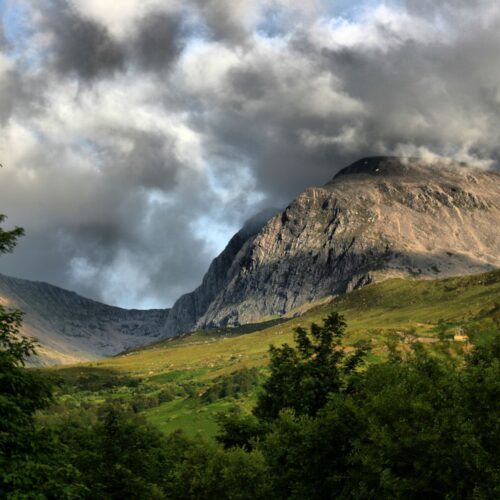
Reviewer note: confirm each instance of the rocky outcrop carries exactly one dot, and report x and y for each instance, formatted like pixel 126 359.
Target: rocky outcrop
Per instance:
pixel 189 308
pixel 71 328
pixel 377 218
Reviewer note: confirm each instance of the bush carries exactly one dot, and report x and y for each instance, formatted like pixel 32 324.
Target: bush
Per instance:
pixel 167 393
pixel 232 385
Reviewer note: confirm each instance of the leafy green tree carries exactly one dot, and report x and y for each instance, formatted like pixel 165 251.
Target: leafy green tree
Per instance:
pixel 478 402
pixel 417 425
pixel 232 385
pixel 239 430
pixel 207 472
pixel 303 377
pixel 410 432
pixel 117 454
pixel 21 393
pixel 8 239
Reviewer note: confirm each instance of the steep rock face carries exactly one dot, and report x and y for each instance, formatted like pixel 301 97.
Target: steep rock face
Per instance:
pixel 190 307
pixel 379 217
pixel 71 328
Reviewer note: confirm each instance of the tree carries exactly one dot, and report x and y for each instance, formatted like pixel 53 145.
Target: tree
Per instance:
pixel 206 471
pixel 8 239
pixel 418 425
pixel 239 430
pixel 303 377
pixel 21 392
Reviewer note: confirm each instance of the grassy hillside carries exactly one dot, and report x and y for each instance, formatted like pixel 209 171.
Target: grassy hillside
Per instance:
pixel 409 310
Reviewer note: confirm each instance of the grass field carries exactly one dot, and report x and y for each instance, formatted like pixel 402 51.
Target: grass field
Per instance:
pixel 416 308
pixel 189 415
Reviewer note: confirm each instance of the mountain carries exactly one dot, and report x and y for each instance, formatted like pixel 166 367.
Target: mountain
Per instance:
pixel 190 307
pixel 377 218
pixel 71 328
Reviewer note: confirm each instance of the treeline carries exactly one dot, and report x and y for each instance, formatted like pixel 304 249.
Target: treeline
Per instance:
pixel 326 425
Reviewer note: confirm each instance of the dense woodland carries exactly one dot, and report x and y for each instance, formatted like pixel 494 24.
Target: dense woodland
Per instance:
pixel 326 424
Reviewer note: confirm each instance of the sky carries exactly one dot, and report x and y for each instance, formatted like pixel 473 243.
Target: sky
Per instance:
pixel 137 136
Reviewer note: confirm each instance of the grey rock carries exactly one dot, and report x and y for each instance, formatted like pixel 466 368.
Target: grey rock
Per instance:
pixel 377 218
pixel 71 328
pixel 190 307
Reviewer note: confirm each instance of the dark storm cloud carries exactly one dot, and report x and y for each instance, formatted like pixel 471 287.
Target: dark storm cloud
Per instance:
pixel 85 47
pixel 264 109
pixel 149 161
pixel 80 45
pixel 139 135
pixel 116 239
pixel 252 84
pixel 11 89
pixel 158 40
pixel 418 81
pixel 440 94
pixel 225 19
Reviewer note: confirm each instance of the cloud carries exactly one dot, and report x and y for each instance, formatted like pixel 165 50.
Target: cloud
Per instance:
pixel 138 135
pixel 78 44
pixel 158 39
pixel 82 40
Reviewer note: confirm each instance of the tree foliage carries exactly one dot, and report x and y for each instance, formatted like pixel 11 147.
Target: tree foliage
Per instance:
pixel 414 426
pixel 21 393
pixel 302 377
pixel 8 239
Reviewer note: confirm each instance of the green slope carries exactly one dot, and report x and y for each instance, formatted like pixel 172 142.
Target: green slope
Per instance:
pixel 374 313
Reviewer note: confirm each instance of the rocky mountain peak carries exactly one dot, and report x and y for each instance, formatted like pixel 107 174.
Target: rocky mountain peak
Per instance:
pixel 379 217
pixel 409 169
pixel 254 224
pixel 380 166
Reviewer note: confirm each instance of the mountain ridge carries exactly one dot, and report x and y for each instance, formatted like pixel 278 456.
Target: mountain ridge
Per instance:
pixel 71 328
pixel 377 218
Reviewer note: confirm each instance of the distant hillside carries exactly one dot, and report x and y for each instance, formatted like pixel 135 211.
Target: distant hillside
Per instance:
pixel 71 328
pixel 373 313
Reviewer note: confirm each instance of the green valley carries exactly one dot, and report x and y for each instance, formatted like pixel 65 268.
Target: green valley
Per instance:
pixel 168 381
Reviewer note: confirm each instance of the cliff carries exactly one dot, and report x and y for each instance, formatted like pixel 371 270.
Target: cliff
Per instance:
pixel 376 218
